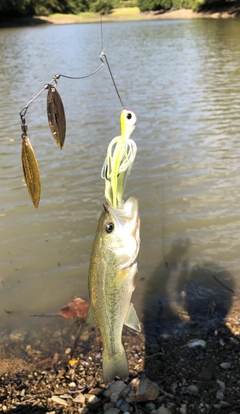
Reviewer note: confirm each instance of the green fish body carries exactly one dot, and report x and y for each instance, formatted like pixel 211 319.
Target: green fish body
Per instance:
pixel 112 280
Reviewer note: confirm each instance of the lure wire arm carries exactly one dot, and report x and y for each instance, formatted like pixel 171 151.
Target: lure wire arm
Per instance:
pixel 23 112
pixel 53 82
pixel 81 77
pixel 114 83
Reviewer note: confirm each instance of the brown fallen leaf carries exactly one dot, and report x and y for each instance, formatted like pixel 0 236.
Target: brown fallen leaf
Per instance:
pixel 78 307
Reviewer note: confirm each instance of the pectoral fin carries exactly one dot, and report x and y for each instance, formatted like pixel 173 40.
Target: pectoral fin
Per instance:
pixel 132 320
pixel 90 319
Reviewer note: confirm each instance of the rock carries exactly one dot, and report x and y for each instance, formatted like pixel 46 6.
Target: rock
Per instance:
pixel 219 395
pixel 55 358
pixel 114 390
pixel 108 405
pixel 58 400
pixel 68 351
pixel 93 399
pixel 142 389
pixel 72 386
pixel 183 409
pixel 17 336
pixel 123 405
pixel 112 410
pixel 221 384
pixel 196 342
pixel 225 404
pixel 163 410
pixel 79 398
pixel 174 386
pixel 192 390
pixel 65 396
pixel 83 410
pixel 150 406
pixel 226 365
pixel 57 334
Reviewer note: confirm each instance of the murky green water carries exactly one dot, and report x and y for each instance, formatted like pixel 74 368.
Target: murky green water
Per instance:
pixel 181 78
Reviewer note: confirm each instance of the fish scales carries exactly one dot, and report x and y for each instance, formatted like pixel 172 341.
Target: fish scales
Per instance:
pixel 112 280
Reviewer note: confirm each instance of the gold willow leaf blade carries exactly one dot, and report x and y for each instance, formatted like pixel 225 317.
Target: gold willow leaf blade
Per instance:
pixel 31 171
pixel 56 116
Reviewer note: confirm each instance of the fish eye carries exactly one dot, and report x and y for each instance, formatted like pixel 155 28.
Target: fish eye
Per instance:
pixel 109 227
pixel 129 115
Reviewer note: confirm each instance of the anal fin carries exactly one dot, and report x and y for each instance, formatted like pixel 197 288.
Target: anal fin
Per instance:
pixel 132 320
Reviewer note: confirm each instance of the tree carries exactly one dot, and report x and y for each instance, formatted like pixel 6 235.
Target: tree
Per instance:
pixel 102 6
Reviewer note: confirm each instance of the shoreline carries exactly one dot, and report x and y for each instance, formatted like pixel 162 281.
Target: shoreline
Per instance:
pixel 122 14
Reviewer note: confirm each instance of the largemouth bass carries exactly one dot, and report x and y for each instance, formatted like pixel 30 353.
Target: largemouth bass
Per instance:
pixel 112 280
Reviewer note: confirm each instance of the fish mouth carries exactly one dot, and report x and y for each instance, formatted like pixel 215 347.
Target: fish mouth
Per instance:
pixel 127 216
pixel 126 212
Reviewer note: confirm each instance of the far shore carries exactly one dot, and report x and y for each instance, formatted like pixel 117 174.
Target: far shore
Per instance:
pixel 122 14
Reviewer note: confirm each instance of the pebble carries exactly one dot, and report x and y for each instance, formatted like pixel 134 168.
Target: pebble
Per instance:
pixel 219 395
pixel 221 342
pixel 79 398
pixel 108 405
pixel 72 386
pixel 225 404
pixel 83 410
pixel 58 400
pixel 163 410
pixel 68 351
pixel 196 342
pixel 57 334
pixel 226 365
pixel 16 336
pixel 150 406
pixel 183 409
pixel 112 410
pixel 114 390
pixel 174 386
pixel 55 358
pixel 142 389
pixel 123 405
pixel 93 399
pixel 192 390
pixel 221 384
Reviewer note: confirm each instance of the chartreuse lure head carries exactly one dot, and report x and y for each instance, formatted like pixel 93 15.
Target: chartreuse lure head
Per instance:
pixel 128 121
pixel 121 153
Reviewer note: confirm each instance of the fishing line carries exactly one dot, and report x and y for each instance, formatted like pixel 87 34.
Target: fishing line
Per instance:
pixel 103 55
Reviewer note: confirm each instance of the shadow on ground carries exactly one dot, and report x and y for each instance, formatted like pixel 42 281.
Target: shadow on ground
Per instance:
pixel 192 336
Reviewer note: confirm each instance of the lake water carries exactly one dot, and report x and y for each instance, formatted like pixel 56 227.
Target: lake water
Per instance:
pixel 182 79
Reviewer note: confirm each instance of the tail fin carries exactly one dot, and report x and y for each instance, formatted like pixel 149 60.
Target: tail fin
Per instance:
pixel 115 366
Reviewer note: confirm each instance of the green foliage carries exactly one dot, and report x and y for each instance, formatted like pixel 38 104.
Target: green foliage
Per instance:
pixel 102 6
pixel 195 5
pixel 127 3
pixel 14 8
pixel 19 8
pixel 147 5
